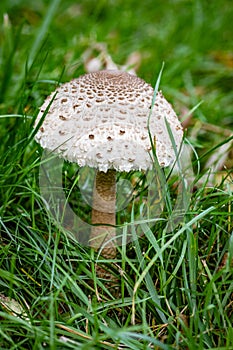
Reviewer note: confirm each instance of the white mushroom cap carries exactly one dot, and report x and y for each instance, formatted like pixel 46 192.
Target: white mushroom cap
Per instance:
pixel 100 120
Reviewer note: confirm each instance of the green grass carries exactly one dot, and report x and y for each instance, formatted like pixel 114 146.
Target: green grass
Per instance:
pixel 176 285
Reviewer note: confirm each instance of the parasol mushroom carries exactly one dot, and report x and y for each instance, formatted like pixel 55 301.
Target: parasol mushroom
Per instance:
pixel 100 120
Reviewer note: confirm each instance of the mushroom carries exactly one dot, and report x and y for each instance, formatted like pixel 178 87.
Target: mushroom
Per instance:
pixel 100 120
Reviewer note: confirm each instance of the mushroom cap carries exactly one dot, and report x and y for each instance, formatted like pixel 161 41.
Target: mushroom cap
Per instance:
pixel 101 120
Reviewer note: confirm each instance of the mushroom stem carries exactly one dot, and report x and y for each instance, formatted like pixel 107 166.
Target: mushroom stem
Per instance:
pixel 103 212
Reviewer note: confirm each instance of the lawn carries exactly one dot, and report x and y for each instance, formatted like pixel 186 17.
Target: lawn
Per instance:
pixel 176 279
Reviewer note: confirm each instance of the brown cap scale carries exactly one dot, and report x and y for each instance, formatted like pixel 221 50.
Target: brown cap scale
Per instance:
pixel 100 120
